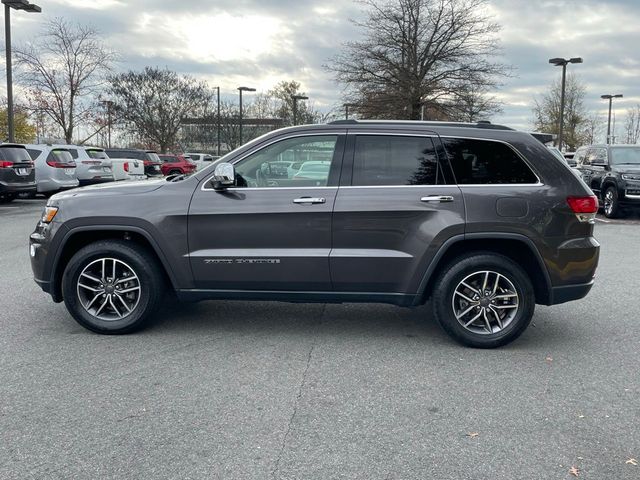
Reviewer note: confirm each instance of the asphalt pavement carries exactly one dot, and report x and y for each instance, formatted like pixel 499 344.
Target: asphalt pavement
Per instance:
pixel 241 390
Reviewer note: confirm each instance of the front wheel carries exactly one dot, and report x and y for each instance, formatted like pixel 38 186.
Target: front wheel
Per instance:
pixel 112 286
pixel 611 203
pixel 483 300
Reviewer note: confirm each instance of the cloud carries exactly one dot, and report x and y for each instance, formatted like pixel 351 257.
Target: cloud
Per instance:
pixel 258 43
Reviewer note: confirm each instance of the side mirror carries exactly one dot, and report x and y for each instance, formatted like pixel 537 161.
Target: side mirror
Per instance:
pixel 224 176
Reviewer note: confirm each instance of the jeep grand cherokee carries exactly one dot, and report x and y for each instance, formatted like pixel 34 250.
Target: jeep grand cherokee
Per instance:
pixel 482 220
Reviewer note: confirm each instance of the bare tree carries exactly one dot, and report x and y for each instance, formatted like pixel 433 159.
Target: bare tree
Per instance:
pixel 473 103
pixel 63 69
pixel 592 129
pixel 417 53
pixel 632 125
pixel 546 111
pixel 154 102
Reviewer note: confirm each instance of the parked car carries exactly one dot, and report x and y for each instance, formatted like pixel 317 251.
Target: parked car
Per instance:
pixel 152 163
pixel 202 160
pixel 406 212
pixel 569 158
pixel 17 172
pixel 55 168
pixel 313 171
pixel 127 169
pixel 613 173
pixel 177 164
pixel 92 164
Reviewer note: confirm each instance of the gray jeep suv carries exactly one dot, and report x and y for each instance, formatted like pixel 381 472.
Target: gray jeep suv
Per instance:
pixel 482 220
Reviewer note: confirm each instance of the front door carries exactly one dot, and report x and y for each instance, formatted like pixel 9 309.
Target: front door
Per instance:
pixel 272 230
pixel 397 203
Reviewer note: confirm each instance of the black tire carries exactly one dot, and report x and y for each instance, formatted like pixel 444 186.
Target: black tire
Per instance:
pixel 611 203
pixel 461 268
pixel 7 197
pixel 144 266
pixel 175 172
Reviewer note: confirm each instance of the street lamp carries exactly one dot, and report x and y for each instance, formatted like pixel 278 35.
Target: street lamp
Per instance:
pixel 16 5
pixel 346 109
pixel 295 106
pixel 243 89
pixel 610 98
pixel 108 104
pixel 218 89
pixel 563 62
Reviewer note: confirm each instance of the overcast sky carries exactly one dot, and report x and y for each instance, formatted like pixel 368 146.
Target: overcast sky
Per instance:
pixel 260 42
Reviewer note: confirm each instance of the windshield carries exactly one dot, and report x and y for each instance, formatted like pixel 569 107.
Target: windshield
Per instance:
pixel 153 156
pixel 625 156
pixel 99 154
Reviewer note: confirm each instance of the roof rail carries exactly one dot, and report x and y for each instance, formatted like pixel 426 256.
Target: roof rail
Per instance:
pixel 480 124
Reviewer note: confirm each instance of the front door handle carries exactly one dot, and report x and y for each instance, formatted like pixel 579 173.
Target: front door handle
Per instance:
pixel 437 198
pixel 309 200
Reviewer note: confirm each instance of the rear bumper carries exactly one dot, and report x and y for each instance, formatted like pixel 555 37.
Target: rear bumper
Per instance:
pixel 567 293
pixel 6 187
pixel 96 180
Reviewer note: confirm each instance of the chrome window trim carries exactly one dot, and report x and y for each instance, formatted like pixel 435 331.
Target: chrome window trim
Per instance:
pixel 275 140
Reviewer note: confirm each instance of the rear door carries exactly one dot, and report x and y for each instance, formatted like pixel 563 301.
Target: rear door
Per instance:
pixel 272 231
pixel 396 205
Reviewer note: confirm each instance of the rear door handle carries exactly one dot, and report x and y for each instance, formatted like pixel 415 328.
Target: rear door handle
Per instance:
pixel 308 200
pixel 437 198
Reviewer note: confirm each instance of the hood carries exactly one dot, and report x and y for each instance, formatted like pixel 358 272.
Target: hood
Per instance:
pixel 115 188
pixel 631 169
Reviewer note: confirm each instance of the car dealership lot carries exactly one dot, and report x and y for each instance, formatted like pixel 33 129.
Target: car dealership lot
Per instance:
pixel 267 390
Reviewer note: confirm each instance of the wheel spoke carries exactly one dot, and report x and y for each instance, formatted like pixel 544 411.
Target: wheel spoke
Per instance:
pixel 506 295
pixel 497 315
pixel 126 279
pixel 465 297
pixel 473 319
pixel 505 307
pixel 474 290
pixel 127 290
pixel 123 302
pixel 90 288
pixel 460 315
pixel 495 285
pixel 90 277
pixel 486 321
pixel 114 307
pixel 92 301
pixel 486 280
pixel 113 270
pixel 106 300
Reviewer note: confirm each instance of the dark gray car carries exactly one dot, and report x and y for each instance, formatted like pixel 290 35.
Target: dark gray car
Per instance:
pixel 17 172
pixel 481 219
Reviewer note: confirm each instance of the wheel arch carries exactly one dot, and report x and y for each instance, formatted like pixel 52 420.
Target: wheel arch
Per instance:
pixel 517 247
pixel 81 236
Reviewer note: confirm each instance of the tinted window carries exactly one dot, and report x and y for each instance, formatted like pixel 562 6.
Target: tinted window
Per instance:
pixel 264 167
pixel 625 155
pixel 73 152
pixel 99 154
pixel 136 154
pixel 60 156
pixel 599 155
pixel 153 157
pixel 394 160
pixel 33 153
pixel 14 154
pixel 168 158
pixel 485 162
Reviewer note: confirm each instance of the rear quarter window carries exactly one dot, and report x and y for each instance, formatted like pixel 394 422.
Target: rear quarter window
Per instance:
pixel 483 162
pixel 33 153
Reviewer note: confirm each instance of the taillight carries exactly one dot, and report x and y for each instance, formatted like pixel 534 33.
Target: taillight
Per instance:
pixel 54 164
pixel 126 166
pixel 5 164
pixel 585 208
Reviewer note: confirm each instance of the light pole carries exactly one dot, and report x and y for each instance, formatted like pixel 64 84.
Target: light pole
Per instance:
pixel 16 5
pixel 108 104
pixel 243 89
pixel 346 109
pixel 563 62
pixel 218 89
pixel 610 98
pixel 295 106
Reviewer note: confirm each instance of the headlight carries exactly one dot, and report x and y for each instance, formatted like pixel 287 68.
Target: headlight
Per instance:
pixel 49 214
pixel 628 176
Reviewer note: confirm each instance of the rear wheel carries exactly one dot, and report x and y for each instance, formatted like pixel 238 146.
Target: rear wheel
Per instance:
pixel 175 172
pixel 611 203
pixel 483 300
pixel 112 286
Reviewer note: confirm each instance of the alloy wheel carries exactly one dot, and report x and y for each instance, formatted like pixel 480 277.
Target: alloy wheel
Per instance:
pixel 485 302
pixel 109 289
pixel 608 202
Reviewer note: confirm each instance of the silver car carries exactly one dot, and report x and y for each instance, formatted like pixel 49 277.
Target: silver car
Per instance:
pixel 55 168
pixel 92 164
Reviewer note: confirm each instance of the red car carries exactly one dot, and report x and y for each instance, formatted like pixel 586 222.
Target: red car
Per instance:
pixel 176 164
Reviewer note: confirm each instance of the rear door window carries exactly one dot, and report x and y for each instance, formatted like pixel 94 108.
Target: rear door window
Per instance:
pixel 395 160
pixel 483 162
pixel 98 154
